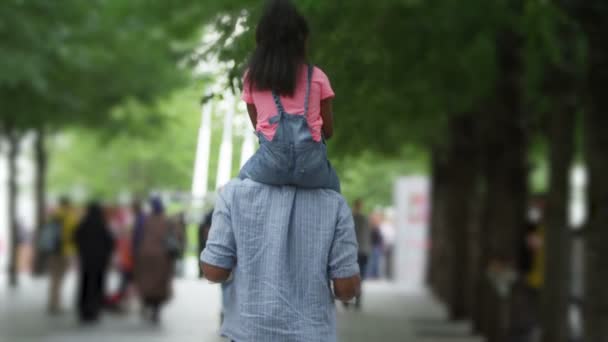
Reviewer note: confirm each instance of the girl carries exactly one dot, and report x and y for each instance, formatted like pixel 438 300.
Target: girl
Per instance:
pixel 289 103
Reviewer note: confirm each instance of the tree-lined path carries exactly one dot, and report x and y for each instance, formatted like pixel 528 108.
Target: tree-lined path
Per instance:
pixel 388 315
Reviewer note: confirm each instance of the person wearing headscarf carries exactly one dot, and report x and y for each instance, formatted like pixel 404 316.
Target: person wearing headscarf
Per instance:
pixel 139 217
pixel 95 244
pixel 153 263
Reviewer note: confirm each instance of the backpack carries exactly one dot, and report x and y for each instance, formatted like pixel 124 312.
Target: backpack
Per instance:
pixel 49 240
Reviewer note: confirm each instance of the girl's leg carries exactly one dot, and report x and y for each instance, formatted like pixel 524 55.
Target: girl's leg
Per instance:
pixel 267 167
pixel 314 171
pixel 374 263
pixel 369 270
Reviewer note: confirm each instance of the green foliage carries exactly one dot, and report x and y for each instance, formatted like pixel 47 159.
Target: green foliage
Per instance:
pixel 554 44
pixel 158 158
pixel 71 62
pixel 161 159
pixel 371 176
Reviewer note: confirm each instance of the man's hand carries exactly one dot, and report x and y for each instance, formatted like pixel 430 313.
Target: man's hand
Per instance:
pixel 347 288
pixel 215 274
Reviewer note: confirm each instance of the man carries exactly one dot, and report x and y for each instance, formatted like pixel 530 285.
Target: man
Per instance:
pixel 203 234
pixel 67 219
pixel 281 247
pixel 363 239
pixel 388 237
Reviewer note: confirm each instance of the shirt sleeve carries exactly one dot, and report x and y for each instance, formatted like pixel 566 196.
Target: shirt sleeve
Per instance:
pixel 246 95
pixel 327 91
pixel 343 254
pixel 220 250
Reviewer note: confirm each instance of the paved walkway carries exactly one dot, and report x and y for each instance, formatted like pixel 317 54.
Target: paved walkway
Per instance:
pixel 388 315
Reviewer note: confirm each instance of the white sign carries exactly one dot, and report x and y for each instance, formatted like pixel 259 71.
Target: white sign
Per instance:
pixel 412 200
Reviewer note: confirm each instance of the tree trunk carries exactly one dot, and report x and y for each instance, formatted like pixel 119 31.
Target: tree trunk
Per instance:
pixel 476 271
pixel 13 153
pixel 460 190
pixel 505 210
pixel 40 159
pixel 505 217
pixel 592 15
pixel 561 86
pixel 480 318
pixel 436 268
pixel 506 180
pixel 479 238
pixel 431 269
pixel 596 282
pixel 557 232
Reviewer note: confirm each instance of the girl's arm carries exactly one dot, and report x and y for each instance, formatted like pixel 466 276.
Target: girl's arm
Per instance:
pixel 328 118
pixel 253 114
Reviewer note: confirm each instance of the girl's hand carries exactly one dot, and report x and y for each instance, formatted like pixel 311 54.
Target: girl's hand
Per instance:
pixel 328 118
pixel 253 114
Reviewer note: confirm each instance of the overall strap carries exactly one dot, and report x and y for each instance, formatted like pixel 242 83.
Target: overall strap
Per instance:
pixel 308 83
pixel 278 103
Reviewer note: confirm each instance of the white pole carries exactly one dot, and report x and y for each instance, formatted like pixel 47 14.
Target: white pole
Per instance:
pixel 201 164
pixel 225 162
pixel 248 147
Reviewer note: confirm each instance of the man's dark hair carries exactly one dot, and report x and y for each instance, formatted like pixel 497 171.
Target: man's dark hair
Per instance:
pixel 65 201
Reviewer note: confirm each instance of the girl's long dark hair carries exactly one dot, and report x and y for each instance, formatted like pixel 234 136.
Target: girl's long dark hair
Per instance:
pixel 281 38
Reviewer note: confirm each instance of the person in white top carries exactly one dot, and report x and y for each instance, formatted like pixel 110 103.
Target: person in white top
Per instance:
pixel 389 235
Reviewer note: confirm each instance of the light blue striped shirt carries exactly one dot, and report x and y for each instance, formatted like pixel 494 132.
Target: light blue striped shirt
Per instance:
pixel 284 246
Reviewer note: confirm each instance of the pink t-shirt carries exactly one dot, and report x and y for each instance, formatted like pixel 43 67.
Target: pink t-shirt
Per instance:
pixel 320 89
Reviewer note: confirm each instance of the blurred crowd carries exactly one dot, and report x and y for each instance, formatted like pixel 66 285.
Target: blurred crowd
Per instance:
pixel 141 243
pixel 140 247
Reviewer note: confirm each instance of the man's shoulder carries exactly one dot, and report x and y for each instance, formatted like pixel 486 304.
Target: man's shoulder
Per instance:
pixel 240 186
pixel 237 185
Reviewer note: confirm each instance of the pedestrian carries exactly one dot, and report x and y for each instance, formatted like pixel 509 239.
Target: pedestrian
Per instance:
pixel 124 246
pixel 95 244
pixel 289 102
pixel 64 250
pixel 177 223
pixel 375 260
pixel 387 230
pixel 203 234
pixel 139 218
pixel 277 250
pixel 363 239
pixel 526 315
pixel 154 262
pixel 127 245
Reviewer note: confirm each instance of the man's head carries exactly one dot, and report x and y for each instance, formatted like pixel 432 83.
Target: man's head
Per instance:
pixel 65 202
pixel 358 206
pixel 157 206
pixel 136 206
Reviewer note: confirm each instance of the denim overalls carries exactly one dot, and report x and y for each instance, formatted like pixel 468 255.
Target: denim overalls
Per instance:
pixel 293 157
